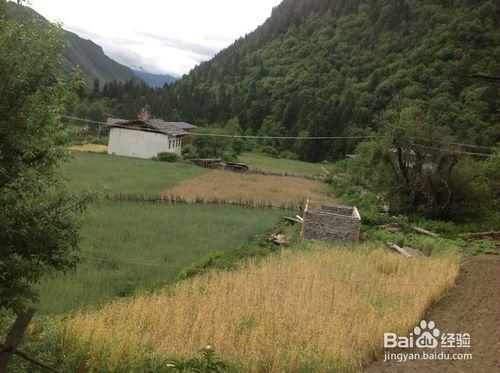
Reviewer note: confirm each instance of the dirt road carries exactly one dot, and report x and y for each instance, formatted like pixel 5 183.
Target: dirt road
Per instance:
pixel 473 306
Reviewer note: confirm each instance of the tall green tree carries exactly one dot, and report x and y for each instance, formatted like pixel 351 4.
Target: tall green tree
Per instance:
pixel 38 219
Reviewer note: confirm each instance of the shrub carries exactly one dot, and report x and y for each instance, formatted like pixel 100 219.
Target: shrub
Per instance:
pixel 270 151
pixel 168 157
pixel 287 154
pixel 103 140
pixel 209 362
pixel 229 156
pixel 190 152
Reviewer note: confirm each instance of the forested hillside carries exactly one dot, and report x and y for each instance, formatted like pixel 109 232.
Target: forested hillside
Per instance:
pixel 79 53
pixel 333 67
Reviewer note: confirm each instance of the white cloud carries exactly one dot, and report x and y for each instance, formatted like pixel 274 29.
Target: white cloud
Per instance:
pixel 169 36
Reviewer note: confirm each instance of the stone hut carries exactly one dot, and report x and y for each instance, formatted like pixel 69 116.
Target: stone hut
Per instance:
pixel 331 223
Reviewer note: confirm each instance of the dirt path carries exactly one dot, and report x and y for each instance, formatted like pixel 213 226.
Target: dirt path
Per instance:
pixel 473 306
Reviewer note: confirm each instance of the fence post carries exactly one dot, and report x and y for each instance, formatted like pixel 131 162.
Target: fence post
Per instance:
pixel 14 337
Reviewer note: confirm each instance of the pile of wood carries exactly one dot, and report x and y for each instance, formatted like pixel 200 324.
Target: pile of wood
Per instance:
pixel 219 164
pixel 396 228
pixel 277 237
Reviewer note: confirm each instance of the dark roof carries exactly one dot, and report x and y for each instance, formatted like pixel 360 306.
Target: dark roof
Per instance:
pixel 150 125
pixel 112 121
pixel 183 125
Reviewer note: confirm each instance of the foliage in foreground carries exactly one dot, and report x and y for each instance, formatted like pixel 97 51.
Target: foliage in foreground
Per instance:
pixel 39 219
pixel 290 311
pixel 208 363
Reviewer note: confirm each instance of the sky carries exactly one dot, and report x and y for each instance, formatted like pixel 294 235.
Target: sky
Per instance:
pixel 169 36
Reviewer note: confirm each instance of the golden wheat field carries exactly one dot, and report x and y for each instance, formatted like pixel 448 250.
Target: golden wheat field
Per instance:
pixel 318 309
pixel 258 189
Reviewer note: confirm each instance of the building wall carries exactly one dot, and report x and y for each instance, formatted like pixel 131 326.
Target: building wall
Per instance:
pixel 324 226
pixel 141 144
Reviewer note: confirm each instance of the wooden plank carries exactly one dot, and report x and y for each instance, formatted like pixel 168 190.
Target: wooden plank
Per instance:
pixel 406 251
pixel 398 249
pixel 31 359
pixel 425 232
pixel 393 227
pixel 14 337
pixel 493 234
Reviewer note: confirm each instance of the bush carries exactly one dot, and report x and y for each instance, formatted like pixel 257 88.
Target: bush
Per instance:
pixel 208 363
pixel 229 156
pixel 168 157
pixel 103 140
pixel 287 154
pixel 190 152
pixel 270 151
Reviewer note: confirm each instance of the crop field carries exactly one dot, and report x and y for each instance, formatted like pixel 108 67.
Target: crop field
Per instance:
pixel 266 163
pixel 114 174
pixel 230 186
pixel 321 309
pixel 131 246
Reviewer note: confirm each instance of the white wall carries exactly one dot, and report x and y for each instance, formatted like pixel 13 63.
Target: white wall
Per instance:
pixel 141 144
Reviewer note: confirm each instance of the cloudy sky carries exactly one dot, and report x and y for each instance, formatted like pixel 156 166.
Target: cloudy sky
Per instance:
pixel 160 36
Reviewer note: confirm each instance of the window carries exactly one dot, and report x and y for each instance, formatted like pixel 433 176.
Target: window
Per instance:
pixel 169 144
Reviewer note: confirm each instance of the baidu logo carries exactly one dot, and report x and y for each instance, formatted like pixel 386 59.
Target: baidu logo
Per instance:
pixel 426 335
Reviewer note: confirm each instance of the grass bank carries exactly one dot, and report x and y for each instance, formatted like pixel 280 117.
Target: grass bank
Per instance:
pixel 131 246
pixel 319 309
pixel 266 163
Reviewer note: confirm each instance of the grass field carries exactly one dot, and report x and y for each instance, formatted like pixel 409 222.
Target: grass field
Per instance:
pixel 137 245
pixel 230 186
pixel 263 162
pixel 320 309
pixel 102 172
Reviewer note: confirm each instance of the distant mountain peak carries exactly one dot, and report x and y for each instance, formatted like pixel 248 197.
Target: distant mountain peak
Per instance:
pixel 152 79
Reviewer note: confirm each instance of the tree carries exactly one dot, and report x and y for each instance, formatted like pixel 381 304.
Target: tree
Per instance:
pixel 39 219
pixel 418 167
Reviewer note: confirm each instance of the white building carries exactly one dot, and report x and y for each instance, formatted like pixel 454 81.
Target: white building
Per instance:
pixel 144 138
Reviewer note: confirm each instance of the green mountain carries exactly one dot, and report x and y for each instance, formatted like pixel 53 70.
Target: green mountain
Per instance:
pixel 84 54
pixel 335 68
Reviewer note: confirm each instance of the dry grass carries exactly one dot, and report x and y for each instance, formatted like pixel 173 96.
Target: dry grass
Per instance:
pixel 90 148
pixel 236 187
pixel 317 310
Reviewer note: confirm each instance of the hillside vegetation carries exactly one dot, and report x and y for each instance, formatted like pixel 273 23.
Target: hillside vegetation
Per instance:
pixel 337 68
pixel 316 310
pixel 333 67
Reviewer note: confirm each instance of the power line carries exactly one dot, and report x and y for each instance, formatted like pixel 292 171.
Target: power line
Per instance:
pixel 286 137
pixel 83 120
pixel 454 151
pixel 249 136
pixel 307 138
